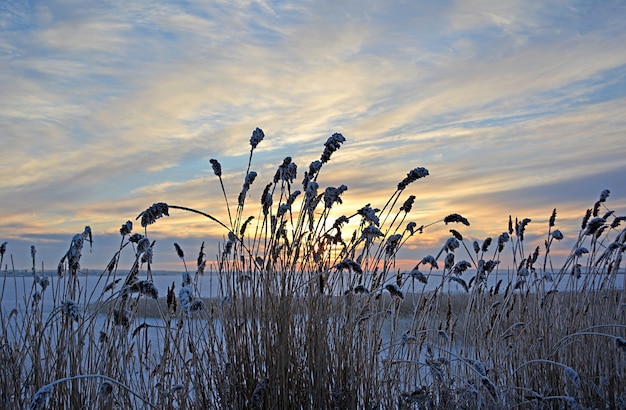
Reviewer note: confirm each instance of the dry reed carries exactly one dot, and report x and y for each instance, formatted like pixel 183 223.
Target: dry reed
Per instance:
pixel 310 316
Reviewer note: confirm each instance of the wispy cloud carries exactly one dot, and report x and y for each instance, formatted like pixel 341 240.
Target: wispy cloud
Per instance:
pixel 111 106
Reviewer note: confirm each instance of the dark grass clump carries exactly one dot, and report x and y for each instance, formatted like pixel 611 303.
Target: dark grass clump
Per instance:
pixel 313 312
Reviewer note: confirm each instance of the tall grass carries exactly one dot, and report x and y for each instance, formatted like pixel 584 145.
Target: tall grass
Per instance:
pixel 314 313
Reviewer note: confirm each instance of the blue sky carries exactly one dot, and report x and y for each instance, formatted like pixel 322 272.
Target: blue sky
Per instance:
pixel 108 106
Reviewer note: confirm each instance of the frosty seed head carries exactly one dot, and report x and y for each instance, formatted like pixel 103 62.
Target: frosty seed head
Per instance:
pixel 257 137
pixel 456 234
pixel 394 291
pixel 522 228
pixel 411 227
pixel 408 204
pixel 332 195
pixel 583 224
pixel 476 246
pixel 146 288
pixel 594 225
pixel 604 195
pixel 44 282
pixel 392 243
pixel 456 218
pixel 430 260
pixel 126 228
pixel 486 244
pixel 330 146
pixel 416 274
pixel 369 214
pixel 266 199
pixel 502 240
pixel 451 244
pixel 286 172
pixel 412 176
pixel 314 168
pixel 449 261
pixel 370 233
pixel 70 308
pixel 461 267
pixel 217 167
pixel 460 282
pixel 150 215
pixel 196 306
pixel 580 251
pixel 552 220
pixel 179 251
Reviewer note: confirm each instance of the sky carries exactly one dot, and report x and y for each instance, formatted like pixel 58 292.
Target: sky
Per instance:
pixel 514 107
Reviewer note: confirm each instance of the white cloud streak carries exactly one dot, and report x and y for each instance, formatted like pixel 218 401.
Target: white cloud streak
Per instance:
pixel 112 105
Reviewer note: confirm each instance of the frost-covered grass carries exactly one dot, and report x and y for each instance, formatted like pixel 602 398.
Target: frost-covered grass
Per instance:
pixel 313 313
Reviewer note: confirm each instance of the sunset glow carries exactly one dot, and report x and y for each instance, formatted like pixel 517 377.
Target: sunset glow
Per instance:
pixel 515 108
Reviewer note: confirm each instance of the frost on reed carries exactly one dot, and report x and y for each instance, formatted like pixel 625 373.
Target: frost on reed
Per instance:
pixel 314 312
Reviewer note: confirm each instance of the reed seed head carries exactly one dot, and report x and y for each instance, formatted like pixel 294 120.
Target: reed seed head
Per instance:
pixel 552 220
pixel 408 204
pixel 286 172
pixel 146 288
pixel 416 274
pixel 558 235
pixel 371 232
pixel 257 137
pixel 392 244
pixel 70 308
pixel 332 195
pixel 449 261
pixel 412 176
pixel 369 214
pixel 185 296
pixel 430 260
pixel 460 282
pixel 583 224
pixel 44 282
pixel 461 267
pixel 150 215
pixel 394 291
pixel 196 306
pixel 521 228
pixel 179 251
pixel 350 265
pixel 502 240
pixel 476 246
pixel 594 225
pixel 486 244
pixel 580 251
pixel 452 243
pixel 330 146
pixel 604 195
pixel 217 167
pixel 126 228
pixel 456 234
pixel 456 218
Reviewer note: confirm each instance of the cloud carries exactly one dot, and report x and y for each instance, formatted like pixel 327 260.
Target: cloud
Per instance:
pixel 109 107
